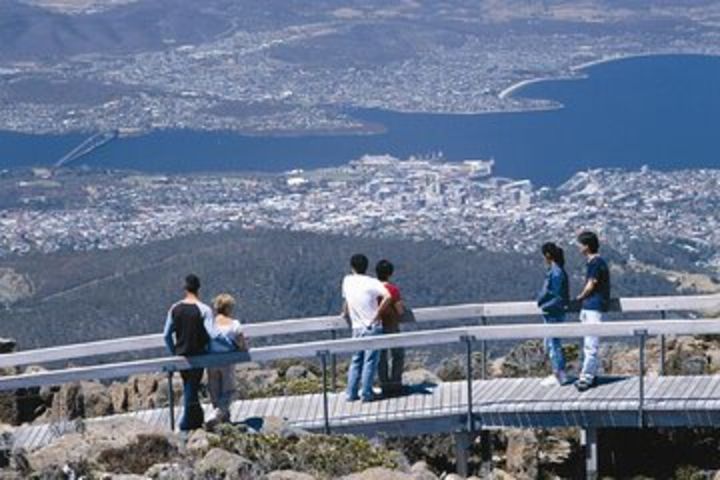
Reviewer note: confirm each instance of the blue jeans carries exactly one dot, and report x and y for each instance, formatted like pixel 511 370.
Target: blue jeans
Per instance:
pixel 363 366
pixel 193 415
pixel 553 346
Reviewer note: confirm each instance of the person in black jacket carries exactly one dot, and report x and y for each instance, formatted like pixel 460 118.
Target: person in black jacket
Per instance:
pixel 187 332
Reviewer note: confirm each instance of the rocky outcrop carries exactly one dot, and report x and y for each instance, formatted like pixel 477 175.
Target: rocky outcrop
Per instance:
pixel 251 380
pixel 522 454
pixel 420 376
pixel 10 410
pixel 288 475
pixel 121 445
pixel 379 473
pixel 170 471
pixel 219 463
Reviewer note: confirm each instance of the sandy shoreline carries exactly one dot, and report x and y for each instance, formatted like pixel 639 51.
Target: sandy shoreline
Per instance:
pixel 576 71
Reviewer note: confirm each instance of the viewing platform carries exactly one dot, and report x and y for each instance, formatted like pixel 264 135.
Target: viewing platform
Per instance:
pixel 639 401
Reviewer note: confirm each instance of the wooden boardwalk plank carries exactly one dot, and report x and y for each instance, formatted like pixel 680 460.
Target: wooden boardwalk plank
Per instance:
pixel 516 402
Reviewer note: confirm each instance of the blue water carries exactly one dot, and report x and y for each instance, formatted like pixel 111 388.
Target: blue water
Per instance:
pixel 662 111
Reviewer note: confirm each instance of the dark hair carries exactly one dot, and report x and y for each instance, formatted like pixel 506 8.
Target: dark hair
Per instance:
pixel 590 240
pixel 359 263
pixel 555 253
pixel 384 270
pixel 192 284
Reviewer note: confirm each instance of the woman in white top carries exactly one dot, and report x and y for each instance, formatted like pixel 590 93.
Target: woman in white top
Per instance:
pixel 221 380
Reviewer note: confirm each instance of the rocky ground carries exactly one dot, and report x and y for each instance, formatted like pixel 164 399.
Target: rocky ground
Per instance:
pixel 122 448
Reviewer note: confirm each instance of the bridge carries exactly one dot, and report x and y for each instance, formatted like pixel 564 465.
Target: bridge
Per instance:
pixel 88 146
pixel 467 408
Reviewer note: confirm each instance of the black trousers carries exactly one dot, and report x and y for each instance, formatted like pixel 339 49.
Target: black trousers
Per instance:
pixel 390 368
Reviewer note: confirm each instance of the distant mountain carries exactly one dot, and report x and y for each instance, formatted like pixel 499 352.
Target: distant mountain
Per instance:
pixel 31 32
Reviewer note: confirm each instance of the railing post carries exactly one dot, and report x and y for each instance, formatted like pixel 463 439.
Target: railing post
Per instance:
pixel 483 351
pixel 663 315
pixel 333 364
pixel 642 335
pixel 468 340
pixel 326 408
pixel 171 400
pixel 463 442
pixel 588 438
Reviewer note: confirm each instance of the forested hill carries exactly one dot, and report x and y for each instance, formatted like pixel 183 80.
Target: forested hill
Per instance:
pixel 92 295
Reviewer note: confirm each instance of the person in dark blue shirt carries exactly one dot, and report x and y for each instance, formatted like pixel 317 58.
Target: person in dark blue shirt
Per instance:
pixel 595 298
pixel 553 300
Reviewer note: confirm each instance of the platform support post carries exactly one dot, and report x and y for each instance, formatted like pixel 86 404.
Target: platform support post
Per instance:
pixel 588 438
pixel 326 407
pixel 463 442
pixel 171 401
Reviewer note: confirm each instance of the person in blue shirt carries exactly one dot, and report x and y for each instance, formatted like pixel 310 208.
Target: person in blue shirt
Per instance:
pixel 221 379
pixel 553 300
pixel 595 299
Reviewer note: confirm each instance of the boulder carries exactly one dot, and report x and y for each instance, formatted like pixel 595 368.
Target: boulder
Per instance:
pixel 80 400
pixel 9 408
pixel 141 391
pixel 379 473
pixel 527 359
pixel 119 397
pixel 120 476
pixel 219 463
pixel 253 381
pixel 288 475
pixel 67 403
pixel 6 445
pixel 521 454
pixel 170 471
pixel 199 441
pixel 116 445
pixel 498 474
pixel 161 398
pixel 97 401
pixel 420 376
pixel 421 471
pixel 12 475
pixel 295 372
pixel 453 476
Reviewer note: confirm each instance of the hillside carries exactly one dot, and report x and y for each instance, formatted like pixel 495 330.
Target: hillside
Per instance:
pixel 79 296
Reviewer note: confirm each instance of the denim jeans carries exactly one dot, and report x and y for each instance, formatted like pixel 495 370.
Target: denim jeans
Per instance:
pixel 363 366
pixel 591 345
pixel 193 415
pixel 553 346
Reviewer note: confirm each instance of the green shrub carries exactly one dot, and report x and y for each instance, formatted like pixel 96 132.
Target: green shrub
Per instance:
pixel 320 455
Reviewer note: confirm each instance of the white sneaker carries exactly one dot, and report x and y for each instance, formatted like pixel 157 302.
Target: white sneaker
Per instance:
pixel 549 381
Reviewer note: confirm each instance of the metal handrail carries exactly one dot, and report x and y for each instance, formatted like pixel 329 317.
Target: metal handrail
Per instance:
pixel 334 323
pixel 425 338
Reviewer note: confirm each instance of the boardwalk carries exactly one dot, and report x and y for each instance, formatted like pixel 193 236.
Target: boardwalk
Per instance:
pixel 521 402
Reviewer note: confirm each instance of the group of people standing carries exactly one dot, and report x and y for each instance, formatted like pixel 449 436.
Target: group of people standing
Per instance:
pixel 193 328
pixel 554 301
pixel 374 306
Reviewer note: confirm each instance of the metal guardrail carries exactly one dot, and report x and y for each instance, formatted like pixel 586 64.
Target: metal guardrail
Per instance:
pixel 478 314
pixel 468 335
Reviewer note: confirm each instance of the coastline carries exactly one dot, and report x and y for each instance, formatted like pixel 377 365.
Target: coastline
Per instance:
pixel 576 71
